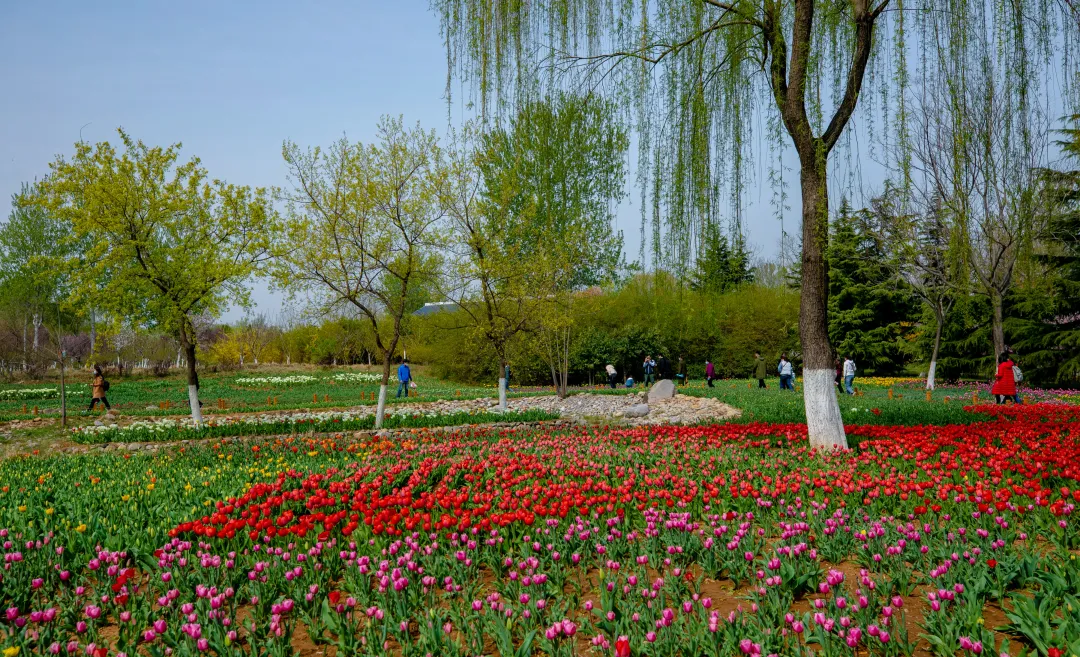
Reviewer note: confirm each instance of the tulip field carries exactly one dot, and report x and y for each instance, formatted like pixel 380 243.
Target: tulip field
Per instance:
pixel 733 539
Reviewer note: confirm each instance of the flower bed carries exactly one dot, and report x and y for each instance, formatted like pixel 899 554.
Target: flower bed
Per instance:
pixel 25 394
pixel 287 423
pixel 671 541
pixel 294 379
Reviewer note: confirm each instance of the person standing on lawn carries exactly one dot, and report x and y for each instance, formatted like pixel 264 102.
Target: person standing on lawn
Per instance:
pixel 612 376
pixel 759 370
pixel 849 376
pixel 98 387
pixel 787 373
pixel 663 368
pixel 682 371
pixel 839 373
pixel 1004 381
pixel 649 367
pixel 710 372
pixel 404 377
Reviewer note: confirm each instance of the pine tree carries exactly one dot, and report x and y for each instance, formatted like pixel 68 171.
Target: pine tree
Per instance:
pixel 868 307
pixel 1046 332
pixel 721 265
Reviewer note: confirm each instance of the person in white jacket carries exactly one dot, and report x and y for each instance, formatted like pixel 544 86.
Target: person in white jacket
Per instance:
pixel 849 375
pixel 612 376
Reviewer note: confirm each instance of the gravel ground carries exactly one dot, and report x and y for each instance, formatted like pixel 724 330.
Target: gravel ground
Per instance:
pixel 680 409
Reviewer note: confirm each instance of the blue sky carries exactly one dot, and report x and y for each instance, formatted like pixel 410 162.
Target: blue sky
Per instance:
pixel 232 80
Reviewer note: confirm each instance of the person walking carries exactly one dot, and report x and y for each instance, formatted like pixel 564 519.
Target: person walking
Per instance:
pixel 506 375
pixel 710 373
pixel 759 370
pixel 839 373
pixel 612 376
pixel 1004 388
pixel 682 371
pixel 404 377
pixel 849 375
pixel 787 373
pixel 649 367
pixel 98 387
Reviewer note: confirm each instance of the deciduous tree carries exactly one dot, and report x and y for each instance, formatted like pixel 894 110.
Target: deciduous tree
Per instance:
pixel 366 229
pixel 166 242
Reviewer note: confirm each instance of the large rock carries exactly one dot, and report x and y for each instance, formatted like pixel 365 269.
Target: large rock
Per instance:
pixel 664 389
pixel 637 410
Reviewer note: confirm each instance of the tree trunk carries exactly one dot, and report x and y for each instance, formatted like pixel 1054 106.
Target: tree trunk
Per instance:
pixel 193 385
pixel 998 328
pixel 37 331
pixel 93 332
pixel 502 383
pixel 937 347
pixel 380 410
pixel 24 362
pixel 824 424
pixel 63 382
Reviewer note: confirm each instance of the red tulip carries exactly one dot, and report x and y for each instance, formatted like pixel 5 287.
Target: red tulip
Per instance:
pixel 622 647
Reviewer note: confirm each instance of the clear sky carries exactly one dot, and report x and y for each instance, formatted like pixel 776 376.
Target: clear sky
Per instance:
pixel 231 80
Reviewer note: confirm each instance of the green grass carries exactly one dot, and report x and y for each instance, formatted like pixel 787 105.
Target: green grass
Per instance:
pixel 907 407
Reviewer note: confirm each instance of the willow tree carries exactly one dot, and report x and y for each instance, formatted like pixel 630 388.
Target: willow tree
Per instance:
pixel 696 72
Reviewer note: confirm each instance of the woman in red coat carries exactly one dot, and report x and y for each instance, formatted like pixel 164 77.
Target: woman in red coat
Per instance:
pixel 1005 384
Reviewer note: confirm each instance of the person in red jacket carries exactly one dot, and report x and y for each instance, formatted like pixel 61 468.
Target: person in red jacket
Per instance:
pixel 1005 384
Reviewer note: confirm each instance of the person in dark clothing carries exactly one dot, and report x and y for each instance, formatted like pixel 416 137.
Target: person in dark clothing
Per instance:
pixel 98 389
pixel 681 376
pixel 710 373
pixel 839 373
pixel 663 368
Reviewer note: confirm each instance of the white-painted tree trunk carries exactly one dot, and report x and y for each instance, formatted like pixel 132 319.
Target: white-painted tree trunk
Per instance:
pixel 502 393
pixel 37 330
pixel 823 421
pixel 930 375
pixel 193 400
pixel 380 410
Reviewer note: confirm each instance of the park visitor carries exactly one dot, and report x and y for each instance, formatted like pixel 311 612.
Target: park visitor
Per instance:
pixel 404 377
pixel 710 372
pixel 612 376
pixel 759 370
pixel 849 375
pixel 839 380
pixel 629 382
pixel 786 372
pixel 506 375
pixel 98 387
pixel 663 368
pixel 649 366
pixel 1005 381
pixel 682 371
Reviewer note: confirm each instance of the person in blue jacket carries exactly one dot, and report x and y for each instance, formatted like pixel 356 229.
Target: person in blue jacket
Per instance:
pixel 404 377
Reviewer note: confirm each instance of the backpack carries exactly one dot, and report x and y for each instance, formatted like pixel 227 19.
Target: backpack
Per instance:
pixel 1018 376
pixel 105 385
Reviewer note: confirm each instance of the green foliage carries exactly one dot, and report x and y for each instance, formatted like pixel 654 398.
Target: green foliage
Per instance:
pixel 720 265
pixel 966 347
pixel 164 241
pixel 366 229
pixel 1046 324
pixel 650 315
pixel 869 309
pixel 552 178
